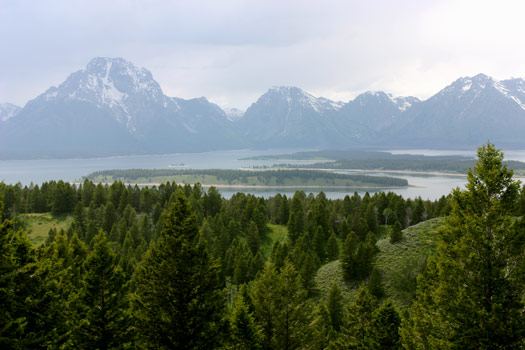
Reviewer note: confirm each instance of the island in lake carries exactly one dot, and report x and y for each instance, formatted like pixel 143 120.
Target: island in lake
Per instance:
pixel 246 178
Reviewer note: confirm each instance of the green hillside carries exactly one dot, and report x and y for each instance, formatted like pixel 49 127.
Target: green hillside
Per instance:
pixel 399 262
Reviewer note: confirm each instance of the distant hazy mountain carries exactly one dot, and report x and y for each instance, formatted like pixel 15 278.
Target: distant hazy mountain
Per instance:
pixel 109 108
pixel 376 110
pixel 289 117
pixel 8 110
pixel 466 113
pixel 233 114
pixel 115 108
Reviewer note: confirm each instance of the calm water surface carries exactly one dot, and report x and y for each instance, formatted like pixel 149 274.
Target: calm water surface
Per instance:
pixel 38 171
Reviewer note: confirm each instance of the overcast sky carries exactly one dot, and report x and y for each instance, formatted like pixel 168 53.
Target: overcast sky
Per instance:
pixel 233 51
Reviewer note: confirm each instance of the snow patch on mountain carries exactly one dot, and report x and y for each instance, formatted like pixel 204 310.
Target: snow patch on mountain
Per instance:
pixel 8 111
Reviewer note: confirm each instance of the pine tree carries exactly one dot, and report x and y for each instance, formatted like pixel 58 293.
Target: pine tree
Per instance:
pixel 252 238
pixel 320 330
pixel 101 318
pixel 293 310
pixel 335 307
pixel 307 272
pixel 471 294
pixel 244 332
pixel 178 301
pixel 319 243
pixel 12 310
pixel 357 328
pixel 281 307
pixel 264 294
pixel 348 258
pixel 396 234
pixel 332 248
pixel 375 283
pixel 385 327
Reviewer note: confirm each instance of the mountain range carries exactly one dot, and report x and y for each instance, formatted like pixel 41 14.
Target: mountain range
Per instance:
pixel 114 108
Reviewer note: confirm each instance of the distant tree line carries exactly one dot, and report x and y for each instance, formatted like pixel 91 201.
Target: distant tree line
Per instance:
pixel 263 177
pixel 453 165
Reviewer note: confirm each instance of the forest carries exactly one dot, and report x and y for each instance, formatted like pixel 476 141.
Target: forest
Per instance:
pixel 176 267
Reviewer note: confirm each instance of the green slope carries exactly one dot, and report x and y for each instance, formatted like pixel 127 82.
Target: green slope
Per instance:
pixel 399 263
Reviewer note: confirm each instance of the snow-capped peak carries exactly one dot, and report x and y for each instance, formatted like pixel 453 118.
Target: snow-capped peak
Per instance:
pixel 233 114
pixel 302 98
pixel 400 102
pixel 8 111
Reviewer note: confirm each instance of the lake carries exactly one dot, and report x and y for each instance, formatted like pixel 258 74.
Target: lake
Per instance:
pixel 38 171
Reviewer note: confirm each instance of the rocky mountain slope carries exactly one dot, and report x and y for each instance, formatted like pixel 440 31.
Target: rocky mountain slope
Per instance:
pixel 114 108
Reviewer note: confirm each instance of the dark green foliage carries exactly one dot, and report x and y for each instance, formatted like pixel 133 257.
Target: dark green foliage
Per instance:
pixel 101 319
pixel 263 296
pixel 357 332
pixel 320 330
pixel 178 301
pixel 279 254
pixel 244 332
pixel 64 198
pixel 385 327
pixel 332 248
pixel 281 308
pixel 334 305
pixel 15 255
pixel 307 271
pixel 253 240
pixel 396 234
pixel 471 294
pixel 348 258
pixel 319 243
pixel 375 283
pixel 193 250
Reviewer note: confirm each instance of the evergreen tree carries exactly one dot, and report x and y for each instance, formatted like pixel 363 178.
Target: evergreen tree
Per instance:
pixel 101 318
pixel 253 240
pixel 335 307
pixel 385 327
pixel 281 307
pixel 244 332
pixel 320 330
pixel 375 283
pixel 178 301
pixel 293 310
pixel 319 243
pixel 357 330
pixel 264 295
pixel 332 248
pixel 12 272
pixel 471 294
pixel 307 272
pixel 348 258
pixel 396 234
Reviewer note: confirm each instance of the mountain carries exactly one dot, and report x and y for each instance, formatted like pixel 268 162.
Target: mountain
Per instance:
pixel 287 116
pixel 109 108
pixel 233 114
pixel 7 111
pixel 115 108
pixel 376 110
pixel 466 113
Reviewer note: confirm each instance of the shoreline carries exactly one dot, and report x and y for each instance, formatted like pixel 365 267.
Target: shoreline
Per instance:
pixel 405 172
pixel 142 184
